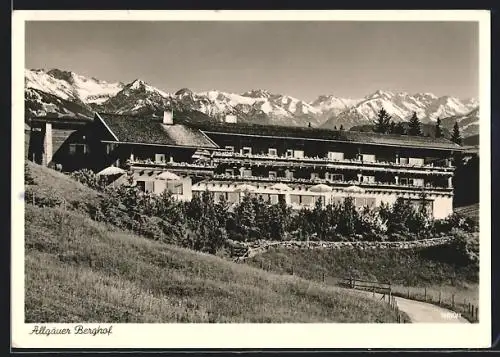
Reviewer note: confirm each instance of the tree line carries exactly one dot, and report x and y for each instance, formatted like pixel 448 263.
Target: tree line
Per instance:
pixel 385 125
pixel 207 225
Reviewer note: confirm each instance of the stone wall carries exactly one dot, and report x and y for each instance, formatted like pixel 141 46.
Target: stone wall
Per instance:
pixel 250 249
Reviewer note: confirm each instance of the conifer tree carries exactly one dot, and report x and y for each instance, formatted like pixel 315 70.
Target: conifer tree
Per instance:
pixel 392 127
pixel 414 126
pixel 399 129
pixel 455 136
pixel 439 130
pixel 245 216
pixel 383 122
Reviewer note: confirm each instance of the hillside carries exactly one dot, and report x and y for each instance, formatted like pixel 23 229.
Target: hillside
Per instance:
pixel 78 270
pixel 429 266
pixel 471 211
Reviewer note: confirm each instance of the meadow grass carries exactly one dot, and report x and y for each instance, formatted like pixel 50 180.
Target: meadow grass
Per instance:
pixel 425 272
pixel 78 270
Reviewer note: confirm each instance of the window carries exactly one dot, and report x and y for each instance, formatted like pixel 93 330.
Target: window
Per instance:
pixel 368 157
pixel 369 179
pixel 337 200
pixel 295 199
pixel 289 153
pixel 247 150
pixel 417 182
pixel 307 200
pixel 299 154
pixel 314 175
pixel 364 202
pixel 229 172
pixel 175 188
pixel 272 152
pixel 416 161
pixel 246 172
pixel 273 199
pixel 229 148
pixel 159 158
pixel 272 174
pixel 78 149
pixel 335 155
pixel 109 148
pixel 264 197
pixel 141 185
pixel 412 181
pixel 233 197
pixel 403 160
pixel 334 177
pixel 289 174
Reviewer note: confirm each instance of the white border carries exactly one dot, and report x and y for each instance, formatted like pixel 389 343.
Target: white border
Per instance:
pixel 253 335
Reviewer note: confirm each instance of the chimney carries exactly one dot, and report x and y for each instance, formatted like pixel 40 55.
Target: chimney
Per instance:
pixel 230 119
pixel 168 118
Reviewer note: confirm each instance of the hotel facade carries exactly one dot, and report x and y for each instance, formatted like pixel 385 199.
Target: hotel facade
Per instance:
pixel 292 164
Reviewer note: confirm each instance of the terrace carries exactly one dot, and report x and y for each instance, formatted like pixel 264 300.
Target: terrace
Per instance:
pixel 341 183
pixel 285 161
pixel 200 167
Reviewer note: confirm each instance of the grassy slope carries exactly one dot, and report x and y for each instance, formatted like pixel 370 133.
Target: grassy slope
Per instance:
pixel 78 270
pixel 405 269
pixel 471 211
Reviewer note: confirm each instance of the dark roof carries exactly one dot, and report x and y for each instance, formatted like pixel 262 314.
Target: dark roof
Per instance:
pixel 324 134
pixel 149 130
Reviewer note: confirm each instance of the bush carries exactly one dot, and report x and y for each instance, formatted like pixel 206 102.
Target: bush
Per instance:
pixel 467 246
pixel 89 178
pixel 46 200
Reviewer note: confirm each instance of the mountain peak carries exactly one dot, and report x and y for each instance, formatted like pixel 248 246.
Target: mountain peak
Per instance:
pixel 257 93
pixel 184 91
pixel 136 84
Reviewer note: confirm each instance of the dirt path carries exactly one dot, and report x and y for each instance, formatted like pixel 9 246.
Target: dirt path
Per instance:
pixel 424 312
pixel 419 312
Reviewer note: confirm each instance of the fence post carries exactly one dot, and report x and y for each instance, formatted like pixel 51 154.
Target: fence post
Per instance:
pixel 408 292
pixel 453 300
pixel 374 291
pixel 477 313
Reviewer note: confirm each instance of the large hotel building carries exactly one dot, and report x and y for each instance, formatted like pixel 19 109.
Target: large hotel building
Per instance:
pixel 294 164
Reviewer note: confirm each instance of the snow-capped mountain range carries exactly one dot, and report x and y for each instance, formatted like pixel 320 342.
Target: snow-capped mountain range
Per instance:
pixel 66 93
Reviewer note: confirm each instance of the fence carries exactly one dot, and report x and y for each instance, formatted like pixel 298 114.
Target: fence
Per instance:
pixel 465 305
pixel 373 287
pixel 376 287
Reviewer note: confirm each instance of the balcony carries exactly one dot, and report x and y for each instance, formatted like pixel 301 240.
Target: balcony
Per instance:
pixel 336 183
pixel 201 167
pixel 286 161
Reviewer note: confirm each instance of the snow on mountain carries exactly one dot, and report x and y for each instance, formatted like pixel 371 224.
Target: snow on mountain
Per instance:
pixel 332 104
pixel 67 93
pixel 468 123
pixel 71 86
pixel 400 106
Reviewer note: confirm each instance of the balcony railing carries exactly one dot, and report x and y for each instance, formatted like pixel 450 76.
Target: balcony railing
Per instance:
pixel 175 165
pixel 322 161
pixel 427 187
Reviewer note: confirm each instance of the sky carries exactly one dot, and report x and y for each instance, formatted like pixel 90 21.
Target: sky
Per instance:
pixel 301 59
